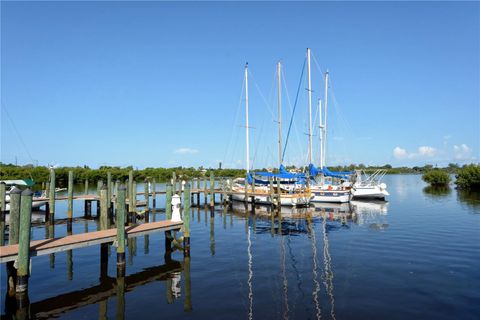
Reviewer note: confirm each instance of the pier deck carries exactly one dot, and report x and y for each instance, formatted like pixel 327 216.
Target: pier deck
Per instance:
pixel 47 246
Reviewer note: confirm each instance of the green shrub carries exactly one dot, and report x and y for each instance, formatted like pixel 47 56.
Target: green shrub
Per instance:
pixel 468 177
pixel 436 177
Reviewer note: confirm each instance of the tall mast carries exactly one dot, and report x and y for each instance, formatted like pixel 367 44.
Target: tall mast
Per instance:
pixel 325 121
pixel 279 66
pixel 309 108
pixel 246 117
pixel 320 131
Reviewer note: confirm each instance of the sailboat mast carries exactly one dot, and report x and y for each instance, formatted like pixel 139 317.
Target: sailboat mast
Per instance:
pixel 309 108
pixel 320 131
pixel 246 123
pixel 279 66
pixel 325 121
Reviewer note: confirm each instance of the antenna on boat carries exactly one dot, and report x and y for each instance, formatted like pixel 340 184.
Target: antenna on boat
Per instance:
pixel 279 66
pixel 309 108
pixel 246 117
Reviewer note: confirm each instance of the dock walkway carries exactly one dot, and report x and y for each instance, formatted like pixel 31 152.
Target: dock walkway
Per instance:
pixel 47 246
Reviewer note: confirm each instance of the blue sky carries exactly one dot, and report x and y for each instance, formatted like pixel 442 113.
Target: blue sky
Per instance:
pixel 159 84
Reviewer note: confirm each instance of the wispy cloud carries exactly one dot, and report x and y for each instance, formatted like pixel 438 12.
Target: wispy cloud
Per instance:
pixel 185 151
pixel 462 152
pixel 400 153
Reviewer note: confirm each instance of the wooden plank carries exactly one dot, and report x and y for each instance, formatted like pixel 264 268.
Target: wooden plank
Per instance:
pixel 47 246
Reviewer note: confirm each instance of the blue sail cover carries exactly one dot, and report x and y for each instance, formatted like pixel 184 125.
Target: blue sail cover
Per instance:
pixel 283 174
pixel 314 171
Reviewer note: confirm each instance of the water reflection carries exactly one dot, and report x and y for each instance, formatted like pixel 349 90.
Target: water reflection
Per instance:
pixel 470 198
pixel 437 191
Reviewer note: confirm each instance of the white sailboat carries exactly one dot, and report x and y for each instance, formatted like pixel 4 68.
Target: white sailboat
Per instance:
pixel 369 186
pixel 291 193
pixel 321 190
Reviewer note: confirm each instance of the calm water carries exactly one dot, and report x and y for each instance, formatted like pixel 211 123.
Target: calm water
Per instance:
pixel 415 257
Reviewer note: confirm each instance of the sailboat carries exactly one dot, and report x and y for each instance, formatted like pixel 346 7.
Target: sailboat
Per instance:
pixel 369 186
pixel 321 190
pixel 290 188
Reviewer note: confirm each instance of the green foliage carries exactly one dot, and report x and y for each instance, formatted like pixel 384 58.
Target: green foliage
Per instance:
pixel 80 174
pixel 436 177
pixel 468 177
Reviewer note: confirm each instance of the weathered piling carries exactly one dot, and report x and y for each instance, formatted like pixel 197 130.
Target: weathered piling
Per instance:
pixel 51 197
pixel 154 194
pixel 13 235
pixel 212 189
pixel 2 212
pixel 253 192
pixel 174 182
pixel 198 192
pixel 168 216
pixel 205 191
pixel 86 186
pixel 271 192
pixel 133 213
pixel 279 194
pixel 130 190
pixel 70 197
pixel 186 220
pixel 120 221
pixel 23 260
pixel 168 201
pixel 146 195
pixel 104 225
pixel 109 189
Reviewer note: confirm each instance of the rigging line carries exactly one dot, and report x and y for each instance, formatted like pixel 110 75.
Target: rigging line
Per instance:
pixel 297 136
pixel 261 95
pixel 17 132
pixel 294 107
pixel 234 120
pixel 318 66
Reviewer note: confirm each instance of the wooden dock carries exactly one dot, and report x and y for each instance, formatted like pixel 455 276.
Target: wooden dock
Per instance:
pixel 47 246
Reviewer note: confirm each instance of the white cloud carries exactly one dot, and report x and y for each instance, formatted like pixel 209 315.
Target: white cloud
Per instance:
pixel 422 152
pixel 400 153
pixel 185 151
pixel 427 151
pixel 462 152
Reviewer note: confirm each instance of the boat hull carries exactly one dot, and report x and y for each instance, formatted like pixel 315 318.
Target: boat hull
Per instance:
pixel 373 192
pixel 333 196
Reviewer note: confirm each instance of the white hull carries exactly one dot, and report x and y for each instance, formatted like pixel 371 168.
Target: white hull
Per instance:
pixel 369 192
pixel 320 194
pixel 35 205
pixel 292 200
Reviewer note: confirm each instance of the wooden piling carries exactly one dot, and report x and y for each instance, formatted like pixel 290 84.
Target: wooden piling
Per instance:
pixel 104 225
pixel 174 182
pixel 205 191
pixel 212 189
pixel 133 213
pixel 23 260
pixel 109 189
pixel 186 220
pixel 3 205
pixel 146 195
pixel 279 193
pixel 130 190
pixel 154 194
pixel 253 192
pixel 120 221
pixel 168 201
pixel 70 196
pixel 198 191
pixel 51 197
pixel 14 227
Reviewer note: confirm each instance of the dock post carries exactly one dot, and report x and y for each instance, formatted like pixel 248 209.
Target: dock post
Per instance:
pixel 130 190
pixel 198 192
pixel 99 187
pixel 279 194
pixel 3 206
pixel 154 194
pixel 86 186
pixel 174 182
pixel 104 225
pixel 109 189
pixel 204 191
pixel 246 188
pixel 186 220
pixel 271 191
pixel 253 192
pixel 51 197
pixel 146 191
pixel 14 229
pixel 24 244
pixel 133 213
pixel 70 199
pixel 168 216
pixel 212 190
pixel 120 220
